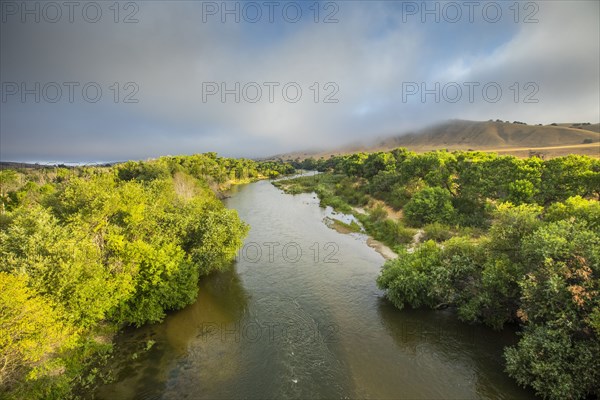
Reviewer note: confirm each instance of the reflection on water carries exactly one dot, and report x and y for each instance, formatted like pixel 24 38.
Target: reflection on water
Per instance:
pixel 345 218
pixel 183 342
pixel 458 352
pixel 299 316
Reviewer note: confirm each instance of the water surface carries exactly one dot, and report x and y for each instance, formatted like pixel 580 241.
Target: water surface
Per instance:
pixel 299 317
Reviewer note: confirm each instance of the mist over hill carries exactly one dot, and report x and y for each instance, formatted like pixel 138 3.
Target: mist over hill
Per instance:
pixel 515 137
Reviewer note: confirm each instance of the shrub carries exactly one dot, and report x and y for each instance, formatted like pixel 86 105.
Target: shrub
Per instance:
pixel 32 333
pixel 578 208
pixel 407 279
pixel 556 365
pixel 437 232
pixel 428 206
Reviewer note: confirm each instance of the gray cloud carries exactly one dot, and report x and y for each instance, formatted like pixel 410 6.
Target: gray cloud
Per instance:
pixel 368 55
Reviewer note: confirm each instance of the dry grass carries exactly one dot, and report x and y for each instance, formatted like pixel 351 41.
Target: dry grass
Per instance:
pixel 500 137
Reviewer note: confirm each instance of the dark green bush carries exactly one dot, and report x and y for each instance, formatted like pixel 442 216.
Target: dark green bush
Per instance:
pixel 428 206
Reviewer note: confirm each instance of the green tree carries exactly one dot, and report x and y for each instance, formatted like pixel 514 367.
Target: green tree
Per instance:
pixel 378 162
pixel 428 206
pixel 560 348
pixel 569 176
pixel 31 333
pixel 407 280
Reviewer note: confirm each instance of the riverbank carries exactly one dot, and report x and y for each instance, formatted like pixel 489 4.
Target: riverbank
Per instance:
pixel 369 218
pixel 301 306
pixel 354 227
pixel 382 249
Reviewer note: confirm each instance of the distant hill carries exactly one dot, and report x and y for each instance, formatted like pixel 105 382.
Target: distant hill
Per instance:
pixel 483 135
pixel 502 137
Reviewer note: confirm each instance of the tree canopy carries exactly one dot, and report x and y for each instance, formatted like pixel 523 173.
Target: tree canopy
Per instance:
pixel 84 251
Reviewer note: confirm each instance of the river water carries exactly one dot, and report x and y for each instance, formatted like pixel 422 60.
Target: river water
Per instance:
pixel 299 316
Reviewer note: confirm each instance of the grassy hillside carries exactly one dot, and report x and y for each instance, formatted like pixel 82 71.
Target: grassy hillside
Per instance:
pixel 491 136
pixel 482 135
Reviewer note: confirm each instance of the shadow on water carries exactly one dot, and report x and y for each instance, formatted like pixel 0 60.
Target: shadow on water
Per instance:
pixel 183 339
pixel 433 338
pixel 270 328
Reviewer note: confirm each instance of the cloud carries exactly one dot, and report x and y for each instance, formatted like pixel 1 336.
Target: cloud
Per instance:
pixel 365 57
pixel 560 55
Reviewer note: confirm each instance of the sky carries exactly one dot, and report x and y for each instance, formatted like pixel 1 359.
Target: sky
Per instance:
pixel 106 81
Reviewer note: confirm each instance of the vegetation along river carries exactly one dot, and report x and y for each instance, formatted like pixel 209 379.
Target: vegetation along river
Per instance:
pixel 299 316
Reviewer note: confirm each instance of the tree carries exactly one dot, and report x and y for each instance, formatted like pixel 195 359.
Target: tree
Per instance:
pixel 555 365
pixel 407 280
pixel 560 348
pixel 103 248
pixel 353 165
pixel 511 225
pixel 428 206
pixel 565 177
pixel 32 332
pixel 378 162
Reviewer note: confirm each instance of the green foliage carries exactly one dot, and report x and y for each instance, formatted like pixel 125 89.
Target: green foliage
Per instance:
pixel 408 279
pixel 333 190
pixel 214 239
pixel 491 295
pixel 383 182
pixel 526 251
pixel 569 176
pixel 377 163
pixel 428 206
pixel 555 364
pixel 142 171
pixel 353 164
pixel 563 284
pixel 470 177
pixel 101 248
pixel 511 225
pixel 9 183
pixel 521 191
pixel 32 333
pixel 61 262
pixel 386 230
pixel 437 232
pixel 350 191
pixel 162 280
pixel 541 272
pixel 578 208
pixel 206 166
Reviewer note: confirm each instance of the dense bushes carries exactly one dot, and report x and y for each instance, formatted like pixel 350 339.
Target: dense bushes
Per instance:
pixel 429 205
pixel 538 269
pixel 554 364
pixel 408 281
pixel 386 230
pixel 560 305
pixel 31 329
pixel 84 253
pixel 333 190
pixel 471 179
pixel 343 194
pixel 534 259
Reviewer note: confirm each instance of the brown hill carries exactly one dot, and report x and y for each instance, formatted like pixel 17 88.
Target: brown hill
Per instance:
pixel 503 137
pixel 459 134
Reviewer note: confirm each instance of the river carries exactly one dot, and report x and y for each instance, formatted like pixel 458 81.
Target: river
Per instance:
pixel 299 317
